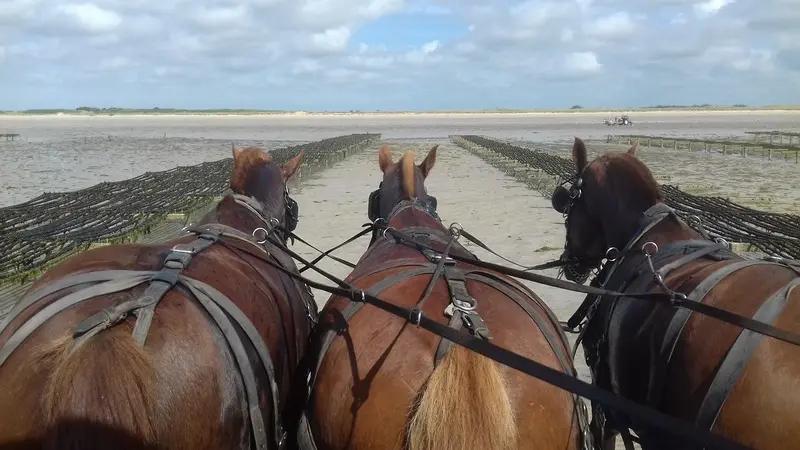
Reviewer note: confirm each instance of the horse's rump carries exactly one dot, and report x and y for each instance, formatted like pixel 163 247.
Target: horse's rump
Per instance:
pixel 370 362
pixel 201 349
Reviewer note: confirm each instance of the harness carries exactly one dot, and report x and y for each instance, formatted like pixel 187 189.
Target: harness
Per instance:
pixel 660 263
pixel 223 312
pixel 461 311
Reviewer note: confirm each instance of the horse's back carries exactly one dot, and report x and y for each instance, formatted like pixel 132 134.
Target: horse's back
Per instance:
pixel 185 372
pixel 710 372
pixel 377 367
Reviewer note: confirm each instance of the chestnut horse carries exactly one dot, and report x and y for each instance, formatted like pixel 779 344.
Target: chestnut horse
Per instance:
pixel 381 383
pixel 734 382
pixel 190 344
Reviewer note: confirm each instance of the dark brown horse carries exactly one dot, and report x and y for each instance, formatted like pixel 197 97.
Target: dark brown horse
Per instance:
pixel 734 382
pixel 381 383
pixel 191 344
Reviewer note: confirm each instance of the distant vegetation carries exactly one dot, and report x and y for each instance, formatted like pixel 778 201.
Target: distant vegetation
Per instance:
pixel 111 111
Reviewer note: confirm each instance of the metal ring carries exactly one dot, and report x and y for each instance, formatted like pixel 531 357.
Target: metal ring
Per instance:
pixel 574 193
pixel 266 234
pixel 458 304
pixel 652 245
pixel 385 230
pixel 455 229
pixel 610 251
pixel 274 222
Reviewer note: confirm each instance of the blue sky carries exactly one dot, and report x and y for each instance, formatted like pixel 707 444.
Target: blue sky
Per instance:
pixel 397 54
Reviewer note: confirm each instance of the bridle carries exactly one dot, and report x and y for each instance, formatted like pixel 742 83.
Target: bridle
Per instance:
pixel 271 225
pixel 428 203
pixel 564 200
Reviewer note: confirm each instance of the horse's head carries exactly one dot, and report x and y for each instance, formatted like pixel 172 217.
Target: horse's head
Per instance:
pixel 602 207
pixel 402 181
pixel 259 184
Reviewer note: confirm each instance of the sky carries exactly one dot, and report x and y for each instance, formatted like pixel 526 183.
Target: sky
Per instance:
pixel 317 55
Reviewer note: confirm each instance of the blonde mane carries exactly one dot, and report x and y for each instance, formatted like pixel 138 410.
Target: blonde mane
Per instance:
pixel 408 173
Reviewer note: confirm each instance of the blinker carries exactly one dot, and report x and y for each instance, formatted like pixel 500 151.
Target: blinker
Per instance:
pixel 374 204
pixel 561 199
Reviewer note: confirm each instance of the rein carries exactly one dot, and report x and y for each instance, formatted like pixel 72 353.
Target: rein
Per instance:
pixel 501 355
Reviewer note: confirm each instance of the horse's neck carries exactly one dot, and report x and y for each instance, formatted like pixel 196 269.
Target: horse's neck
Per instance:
pixel 638 324
pixel 233 215
pixel 670 230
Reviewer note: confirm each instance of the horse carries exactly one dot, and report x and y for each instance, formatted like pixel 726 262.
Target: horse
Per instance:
pixel 189 344
pixel 708 372
pixel 381 383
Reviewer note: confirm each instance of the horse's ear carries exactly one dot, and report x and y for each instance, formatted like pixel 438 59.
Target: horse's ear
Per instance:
pixel 235 151
pixel 385 158
pixel 632 150
pixel 579 155
pixel 289 168
pixel 429 161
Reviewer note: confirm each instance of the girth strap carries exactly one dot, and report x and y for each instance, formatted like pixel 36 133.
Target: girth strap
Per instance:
pixel 738 356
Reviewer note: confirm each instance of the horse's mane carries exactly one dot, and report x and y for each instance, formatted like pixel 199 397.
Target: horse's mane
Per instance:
pixel 626 189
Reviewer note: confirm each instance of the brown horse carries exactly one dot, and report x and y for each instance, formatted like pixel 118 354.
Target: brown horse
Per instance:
pixel 722 378
pixel 382 383
pixel 87 361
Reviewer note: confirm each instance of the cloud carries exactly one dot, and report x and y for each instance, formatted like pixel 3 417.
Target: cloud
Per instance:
pixel 397 54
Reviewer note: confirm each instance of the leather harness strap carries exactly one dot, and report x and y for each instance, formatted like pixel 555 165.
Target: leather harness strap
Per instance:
pixel 737 357
pixel 729 372
pixel 217 305
pixel 461 310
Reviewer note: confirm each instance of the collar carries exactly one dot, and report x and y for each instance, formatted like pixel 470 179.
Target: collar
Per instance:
pixel 255 207
pixel 427 205
pixel 649 219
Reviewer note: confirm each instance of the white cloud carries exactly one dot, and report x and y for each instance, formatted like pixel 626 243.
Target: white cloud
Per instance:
pixel 423 54
pixel 710 7
pixel 356 54
pixel 582 63
pixel 219 17
pixel 333 39
pixel 613 26
pixel 90 17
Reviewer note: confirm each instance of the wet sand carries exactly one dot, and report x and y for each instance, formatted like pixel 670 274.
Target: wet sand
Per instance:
pixel 73 152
